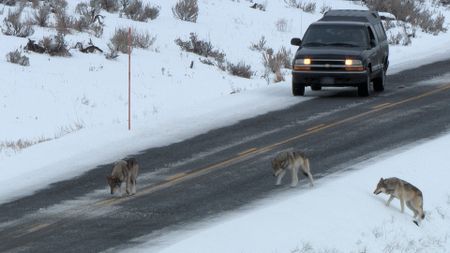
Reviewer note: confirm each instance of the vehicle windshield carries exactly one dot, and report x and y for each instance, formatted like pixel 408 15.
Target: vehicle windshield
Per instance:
pixel 336 35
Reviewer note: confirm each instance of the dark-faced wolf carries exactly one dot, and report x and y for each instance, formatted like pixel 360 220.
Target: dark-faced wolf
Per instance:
pixel 292 161
pixel 405 192
pixel 124 170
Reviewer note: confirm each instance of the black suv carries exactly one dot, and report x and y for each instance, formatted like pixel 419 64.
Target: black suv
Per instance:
pixel 343 48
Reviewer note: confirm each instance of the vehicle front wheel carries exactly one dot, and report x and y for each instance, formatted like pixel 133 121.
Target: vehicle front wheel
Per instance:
pixel 364 87
pixel 378 83
pixel 298 89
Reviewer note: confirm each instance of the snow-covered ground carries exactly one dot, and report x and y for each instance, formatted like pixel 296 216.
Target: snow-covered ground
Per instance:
pixel 75 108
pixel 339 214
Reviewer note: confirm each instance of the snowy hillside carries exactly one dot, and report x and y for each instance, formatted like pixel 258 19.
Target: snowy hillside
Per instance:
pixel 59 111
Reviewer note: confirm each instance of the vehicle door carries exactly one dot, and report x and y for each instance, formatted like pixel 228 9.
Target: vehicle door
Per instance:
pixel 375 51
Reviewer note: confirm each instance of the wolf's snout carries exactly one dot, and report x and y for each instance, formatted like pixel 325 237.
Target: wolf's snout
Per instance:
pixel 376 192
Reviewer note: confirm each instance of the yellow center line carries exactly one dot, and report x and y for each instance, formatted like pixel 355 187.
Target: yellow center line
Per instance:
pixel 247 151
pixel 36 227
pixel 381 105
pixel 243 155
pixel 173 177
pixel 315 127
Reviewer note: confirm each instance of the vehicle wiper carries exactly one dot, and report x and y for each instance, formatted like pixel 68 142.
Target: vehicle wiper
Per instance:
pixel 342 44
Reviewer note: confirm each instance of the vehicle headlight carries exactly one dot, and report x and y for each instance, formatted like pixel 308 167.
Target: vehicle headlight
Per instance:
pixel 302 64
pixel 351 62
pixel 353 65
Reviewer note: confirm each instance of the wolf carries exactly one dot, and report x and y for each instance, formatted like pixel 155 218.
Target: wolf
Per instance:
pixel 124 170
pixel 291 160
pixel 405 192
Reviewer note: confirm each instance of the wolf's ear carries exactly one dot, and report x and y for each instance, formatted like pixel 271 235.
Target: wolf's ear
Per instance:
pixel 381 179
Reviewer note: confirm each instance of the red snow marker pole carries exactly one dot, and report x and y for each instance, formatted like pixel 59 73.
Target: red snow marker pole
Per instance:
pixel 129 79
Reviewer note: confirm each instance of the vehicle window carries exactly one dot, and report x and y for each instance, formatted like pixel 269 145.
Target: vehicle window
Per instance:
pixel 382 32
pixel 350 35
pixel 371 35
pixel 379 32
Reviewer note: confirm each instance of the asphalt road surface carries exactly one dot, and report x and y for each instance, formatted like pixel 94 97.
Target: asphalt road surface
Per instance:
pixel 228 168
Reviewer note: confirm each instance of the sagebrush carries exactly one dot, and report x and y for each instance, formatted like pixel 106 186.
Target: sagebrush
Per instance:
pixel 120 40
pixel 16 57
pixel 13 26
pixel 186 10
pixel 200 47
pixel 137 11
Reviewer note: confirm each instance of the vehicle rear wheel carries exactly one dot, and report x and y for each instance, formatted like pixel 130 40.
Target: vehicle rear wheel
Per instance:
pixel 378 83
pixel 364 87
pixel 298 89
pixel 316 87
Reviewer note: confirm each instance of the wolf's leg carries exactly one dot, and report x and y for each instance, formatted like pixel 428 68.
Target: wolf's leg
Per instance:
pixel 134 186
pixel 389 200
pixel 410 206
pixel 128 186
pixel 280 176
pixel 294 171
pixel 307 172
pixel 402 204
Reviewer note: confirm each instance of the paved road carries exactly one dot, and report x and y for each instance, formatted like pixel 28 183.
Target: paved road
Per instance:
pixel 227 168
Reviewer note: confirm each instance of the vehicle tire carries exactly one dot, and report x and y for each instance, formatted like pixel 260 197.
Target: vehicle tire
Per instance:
pixel 298 89
pixel 378 83
pixel 364 87
pixel 316 87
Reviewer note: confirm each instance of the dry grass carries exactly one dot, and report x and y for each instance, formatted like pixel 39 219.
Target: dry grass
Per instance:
pixel 21 144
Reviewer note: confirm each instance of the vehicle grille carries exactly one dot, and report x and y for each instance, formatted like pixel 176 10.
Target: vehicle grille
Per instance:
pixel 327 65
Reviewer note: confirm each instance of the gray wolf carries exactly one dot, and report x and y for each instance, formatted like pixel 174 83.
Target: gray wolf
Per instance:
pixel 405 192
pixel 124 170
pixel 292 161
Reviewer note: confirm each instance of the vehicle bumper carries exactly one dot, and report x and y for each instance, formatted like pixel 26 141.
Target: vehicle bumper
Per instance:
pixel 329 78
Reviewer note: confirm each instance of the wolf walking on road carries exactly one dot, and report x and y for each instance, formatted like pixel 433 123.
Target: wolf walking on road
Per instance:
pixel 405 192
pixel 124 170
pixel 291 160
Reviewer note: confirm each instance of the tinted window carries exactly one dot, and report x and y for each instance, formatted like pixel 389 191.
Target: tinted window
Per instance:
pixel 320 35
pixel 382 33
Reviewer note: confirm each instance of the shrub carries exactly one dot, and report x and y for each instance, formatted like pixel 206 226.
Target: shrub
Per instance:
pixel 58 6
pixel 16 57
pixel 41 16
pixel 8 2
pixel 281 25
pixel 12 26
pixel 274 62
pixel 203 48
pixel 113 53
pixel 409 11
pixel 119 42
pixel 108 5
pixel 64 22
pixel 324 8
pixel 186 10
pixel 136 10
pixel 309 7
pixel 241 69
pixel 89 14
pixel 55 45
pixel 259 46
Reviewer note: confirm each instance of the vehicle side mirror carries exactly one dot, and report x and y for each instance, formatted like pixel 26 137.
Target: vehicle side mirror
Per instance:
pixel 296 42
